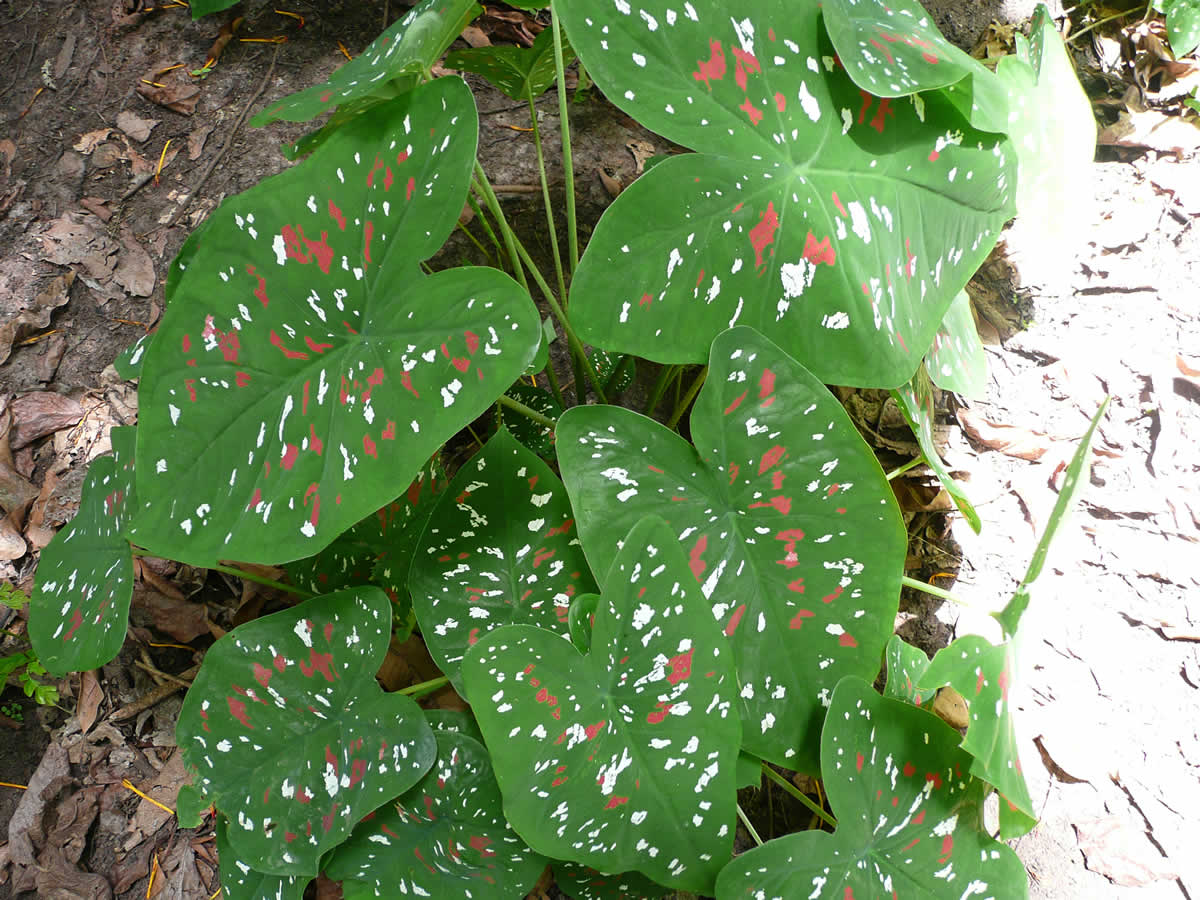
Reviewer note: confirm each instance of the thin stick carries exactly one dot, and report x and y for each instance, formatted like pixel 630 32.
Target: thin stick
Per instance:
pixel 750 828
pixel 182 682
pixel 564 125
pixel 153 697
pixel 799 795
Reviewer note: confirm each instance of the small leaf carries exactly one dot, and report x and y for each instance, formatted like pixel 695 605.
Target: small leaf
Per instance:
pixel 534 435
pixel 446 837
pixel 580 619
pixel 606 364
pixel 957 361
pixel 624 758
pixel 906 665
pixel 500 548
pixel 190 806
pixel 518 72
pixel 241 882
pixel 291 735
pixel 1183 25
pixel 80 605
pixel 585 883
pixel 909 819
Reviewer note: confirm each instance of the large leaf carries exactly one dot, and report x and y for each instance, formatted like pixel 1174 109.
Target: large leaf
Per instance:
pixel 957 361
pixel 518 72
pixel 790 528
pixel 585 883
pixel 1183 25
pixel 909 820
pixel 624 758
pixel 80 605
pixel 390 66
pixel 840 225
pixel 291 736
pixel 241 882
pixel 892 49
pixel 445 838
pixel 305 367
pixel 500 549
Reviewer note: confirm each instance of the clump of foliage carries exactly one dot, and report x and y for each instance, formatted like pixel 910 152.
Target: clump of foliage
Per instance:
pixel 641 621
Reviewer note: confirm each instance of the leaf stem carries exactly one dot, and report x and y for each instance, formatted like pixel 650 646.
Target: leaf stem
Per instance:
pixel 932 591
pixel 518 406
pixel 552 379
pixel 750 828
pixel 474 240
pixel 541 160
pixel 618 372
pixel 424 687
pixel 688 398
pixel 487 226
pixel 564 124
pixel 799 795
pixel 660 387
pixel 250 576
pixel 911 464
pixel 510 240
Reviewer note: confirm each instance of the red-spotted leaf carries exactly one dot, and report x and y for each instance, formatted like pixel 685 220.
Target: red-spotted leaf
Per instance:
pixel 241 882
pixel 305 366
pixel 839 224
pixel 624 758
pixel 585 883
pixel 518 72
pixel 957 361
pixel 500 548
pixel 80 605
pixel 388 67
pixel 379 548
pixel 909 817
pixel 446 837
pixel 789 526
pixel 892 49
pixel 906 665
pixel 915 400
pixel 291 736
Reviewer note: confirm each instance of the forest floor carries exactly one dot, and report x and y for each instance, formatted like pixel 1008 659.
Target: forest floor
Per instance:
pixel 1109 736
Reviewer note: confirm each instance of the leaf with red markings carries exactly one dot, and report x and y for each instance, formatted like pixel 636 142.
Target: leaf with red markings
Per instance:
pixel 305 367
pixel 915 400
pixel 240 881
pixel 806 213
pixel 893 49
pixel 388 67
pixel 446 837
pixel 80 605
pixel 910 821
pixel 957 361
pixel 622 759
pixel 585 883
pixel 290 734
pixel 790 528
pixel 906 665
pixel 500 549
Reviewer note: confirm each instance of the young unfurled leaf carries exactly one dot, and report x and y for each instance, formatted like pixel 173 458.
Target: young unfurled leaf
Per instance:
pixel 519 72
pixel 305 367
pixel 909 817
pixel 241 882
pixel 906 665
pixel 806 213
pixel 290 734
pixel 892 49
pixel 500 548
pixel 624 758
pixel 446 837
pixel 580 618
pixel 915 400
pixel 790 528
pixel 80 605
pixel 957 361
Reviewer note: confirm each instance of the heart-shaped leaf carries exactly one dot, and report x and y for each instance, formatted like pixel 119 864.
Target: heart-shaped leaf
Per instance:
pixel 839 224
pixel 790 528
pixel 1183 25
pixel 518 72
pixel 500 548
pixel 446 837
pixel 585 883
pixel 892 49
pixel 292 737
pixel 624 758
pixel 387 68
pixel 906 666
pixel 909 819
pixel 241 882
pixel 915 400
pixel 305 367
pixel 80 605
pixel 957 361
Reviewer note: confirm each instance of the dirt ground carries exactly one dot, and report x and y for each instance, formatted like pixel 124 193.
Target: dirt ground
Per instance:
pixel 1109 740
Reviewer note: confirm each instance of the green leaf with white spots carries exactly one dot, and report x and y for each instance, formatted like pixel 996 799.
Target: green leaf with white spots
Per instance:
pixel 749 771
pixel 957 361
pixel 291 736
pixel 518 72
pixel 915 400
pixel 306 368
pixel 389 67
pixel 983 674
pixel 129 361
pixel 446 837
pixel 893 49
pixel 241 882
pixel 454 720
pixel 905 666
pixel 790 528
pixel 1183 25
pixel 806 212
pixel 580 619
pixel 500 548
pixel 585 883
pixel 623 759
pixel 909 818
pixel 537 437
pixel 80 605
pixel 606 367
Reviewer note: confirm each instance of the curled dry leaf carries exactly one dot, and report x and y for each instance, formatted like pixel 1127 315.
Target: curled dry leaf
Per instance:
pixel 135 126
pixel 90 695
pixel 1120 852
pixel 175 91
pixel 1010 440
pixel 91 140
pixel 37 314
pixel 41 413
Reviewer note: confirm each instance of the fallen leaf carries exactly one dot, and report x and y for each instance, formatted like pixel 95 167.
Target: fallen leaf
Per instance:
pixel 90 695
pixel 91 140
pixel 15 490
pixel 640 151
pixel 75 238
pixel 951 708
pixel 97 207
pixel 135 268
pixel 1121 853
pixel 175 91
pixel 135 126
pixel 25 831
pixel 1010 440
pixel 196 141
pixel 183 620
pixel 474 36
pixel 165 789
pixel 41 413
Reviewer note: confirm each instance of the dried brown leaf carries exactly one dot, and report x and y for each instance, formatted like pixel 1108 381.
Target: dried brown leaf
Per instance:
pixel 1010 440
pixel 41 413
pixel 135 126
pixel 1121 852
pixel 90 695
